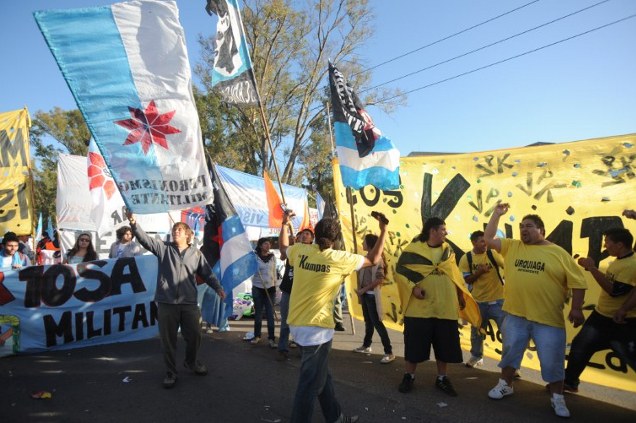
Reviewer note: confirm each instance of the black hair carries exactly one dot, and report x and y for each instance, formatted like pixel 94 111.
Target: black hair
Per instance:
pixel 476 235
pixel 122 231
pixel 431 223
pixel 622 235
pixel 327 232
pixel 537 221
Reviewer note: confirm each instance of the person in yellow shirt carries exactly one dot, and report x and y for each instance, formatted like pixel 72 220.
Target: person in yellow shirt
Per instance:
pixel 432 291
pixel 613 323
pixel 481 270
pixel 318 273
pixel 538 276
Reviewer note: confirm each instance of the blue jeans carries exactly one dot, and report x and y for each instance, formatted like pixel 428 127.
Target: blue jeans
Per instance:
pixel 259 296
pixel 371 321
pixel 488 311
pixel 283 338
pixel 549 342
pixel 315 380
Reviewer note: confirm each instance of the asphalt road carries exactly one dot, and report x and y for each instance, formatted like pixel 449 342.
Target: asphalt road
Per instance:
pixel 122 383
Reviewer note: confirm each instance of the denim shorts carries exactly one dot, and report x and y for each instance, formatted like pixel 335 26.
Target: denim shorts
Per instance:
pixel 549 344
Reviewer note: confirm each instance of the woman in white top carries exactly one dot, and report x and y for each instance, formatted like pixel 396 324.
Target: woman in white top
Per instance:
pixel 82 251
pixel 264 291
pixel 124 246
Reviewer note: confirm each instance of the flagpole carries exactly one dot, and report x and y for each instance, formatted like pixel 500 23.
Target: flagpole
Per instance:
pixel 350 200
pixel 263 120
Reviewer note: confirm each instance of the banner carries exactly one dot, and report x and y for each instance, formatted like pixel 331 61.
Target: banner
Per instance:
pixel 16 185
pixel 579 189
pixel 74 306
pixel 232 73
pixel 128 69
pixel 247 193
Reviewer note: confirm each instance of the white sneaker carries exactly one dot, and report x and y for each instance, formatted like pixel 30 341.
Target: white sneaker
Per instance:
pixel 501 390
pixel 387 358
pixel 255 340
pixel 363 350
pixel 475 362
pixel 558 403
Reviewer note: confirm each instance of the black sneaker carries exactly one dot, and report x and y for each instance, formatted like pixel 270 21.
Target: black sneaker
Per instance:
pixel 347 419
pixel 170 380
pixel 445 385
pixel 407 383
pixel 198 368
pixel 339 327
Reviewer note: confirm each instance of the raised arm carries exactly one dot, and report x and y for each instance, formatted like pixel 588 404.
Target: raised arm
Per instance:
pixel 491 228
pixel 375 254
pixel 283 237
pixel 149 243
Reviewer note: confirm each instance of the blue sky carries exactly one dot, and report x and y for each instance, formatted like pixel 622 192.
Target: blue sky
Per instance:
pixel 579 89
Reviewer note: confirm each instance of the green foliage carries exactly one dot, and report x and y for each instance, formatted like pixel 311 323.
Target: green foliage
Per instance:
pixel 290 45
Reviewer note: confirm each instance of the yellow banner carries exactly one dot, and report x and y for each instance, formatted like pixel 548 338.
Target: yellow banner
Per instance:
pixel 579 189
pixel 16 186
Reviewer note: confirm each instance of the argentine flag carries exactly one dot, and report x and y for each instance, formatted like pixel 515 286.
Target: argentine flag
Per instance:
pixel 128 69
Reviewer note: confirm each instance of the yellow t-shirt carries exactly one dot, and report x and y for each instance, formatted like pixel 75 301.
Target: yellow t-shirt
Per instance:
pixel 488 287
pixel 317 278
pixel 537 281
pixel 620 270
pixel 440 294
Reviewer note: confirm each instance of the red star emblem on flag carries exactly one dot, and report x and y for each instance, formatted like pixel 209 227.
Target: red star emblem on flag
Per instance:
pixel 99 175
pixel 148 127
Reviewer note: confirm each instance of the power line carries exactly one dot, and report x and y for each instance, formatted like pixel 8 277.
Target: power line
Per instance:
pixel 485 46
pixel 507 59
pixel 446 38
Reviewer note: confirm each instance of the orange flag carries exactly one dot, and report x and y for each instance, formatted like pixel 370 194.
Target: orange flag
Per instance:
pixel 273 203
pixel 306 223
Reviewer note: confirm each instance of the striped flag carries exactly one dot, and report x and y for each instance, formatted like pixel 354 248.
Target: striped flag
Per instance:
pixel 127 67
pixel 232 73
pixel 225 242
pixel 366 156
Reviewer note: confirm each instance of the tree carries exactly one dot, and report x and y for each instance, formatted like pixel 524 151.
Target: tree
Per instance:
pixel 55 132
pixel 290 48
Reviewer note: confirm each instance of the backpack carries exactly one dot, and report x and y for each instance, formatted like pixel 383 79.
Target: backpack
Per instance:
pixel 491 258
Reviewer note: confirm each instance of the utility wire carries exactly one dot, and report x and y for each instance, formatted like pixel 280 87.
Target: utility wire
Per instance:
pixel 507 59
pixel 446 38
pixel 485 46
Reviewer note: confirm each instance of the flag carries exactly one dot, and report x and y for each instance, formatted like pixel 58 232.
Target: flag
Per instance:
pixel 38 230
pixel 232 72
pixel 320 205
pixel 127 67
pixel 274 203
pixel 306 223
pixel 49 228
pixel 366 156
pixel 104 192
pixel 225 243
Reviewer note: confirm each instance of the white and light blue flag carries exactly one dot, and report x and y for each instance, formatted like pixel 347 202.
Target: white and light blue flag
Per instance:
pixel 127 67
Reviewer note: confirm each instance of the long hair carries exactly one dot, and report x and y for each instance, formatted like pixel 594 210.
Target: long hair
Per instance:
pixel 327 232
pixel 91 254
pixel 431 223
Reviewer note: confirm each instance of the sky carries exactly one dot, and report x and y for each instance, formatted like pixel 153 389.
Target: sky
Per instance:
pixel 578 89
